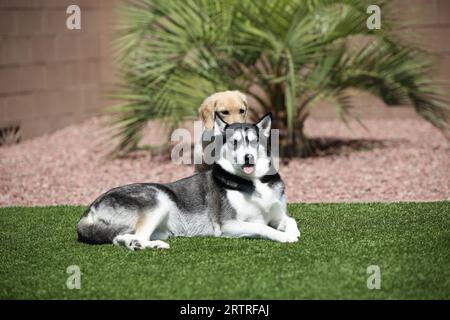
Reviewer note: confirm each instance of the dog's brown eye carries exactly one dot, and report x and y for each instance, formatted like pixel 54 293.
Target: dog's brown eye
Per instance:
pixel 242 111
pixel 225 112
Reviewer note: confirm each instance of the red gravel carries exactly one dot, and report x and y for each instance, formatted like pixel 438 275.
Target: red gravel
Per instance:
pixel 411 162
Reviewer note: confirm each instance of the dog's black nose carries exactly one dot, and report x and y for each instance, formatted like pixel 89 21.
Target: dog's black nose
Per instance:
pixel 249 159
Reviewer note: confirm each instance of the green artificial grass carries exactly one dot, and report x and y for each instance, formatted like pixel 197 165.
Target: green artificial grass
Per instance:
pixel 410 242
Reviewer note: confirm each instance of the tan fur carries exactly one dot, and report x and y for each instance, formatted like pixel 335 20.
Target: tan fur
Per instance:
pixel 140 223
pixel 228 104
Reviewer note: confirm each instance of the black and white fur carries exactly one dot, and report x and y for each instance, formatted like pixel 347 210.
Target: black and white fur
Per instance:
pixel 237 198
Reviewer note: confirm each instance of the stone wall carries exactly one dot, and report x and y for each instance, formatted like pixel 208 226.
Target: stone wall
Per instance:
pixel 51 77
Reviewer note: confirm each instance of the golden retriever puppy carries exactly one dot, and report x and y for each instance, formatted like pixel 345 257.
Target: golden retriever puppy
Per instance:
pixel 232 107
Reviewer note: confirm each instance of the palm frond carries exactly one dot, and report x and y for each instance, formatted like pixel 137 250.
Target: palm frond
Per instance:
pixel 284 53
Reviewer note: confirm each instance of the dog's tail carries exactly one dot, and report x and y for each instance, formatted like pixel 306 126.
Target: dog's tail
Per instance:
pixel 94 230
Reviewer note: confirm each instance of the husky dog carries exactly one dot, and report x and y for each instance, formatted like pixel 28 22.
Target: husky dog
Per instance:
pixel 239 197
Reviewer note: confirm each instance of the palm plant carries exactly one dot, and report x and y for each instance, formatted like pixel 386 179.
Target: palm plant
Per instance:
pixel 286 54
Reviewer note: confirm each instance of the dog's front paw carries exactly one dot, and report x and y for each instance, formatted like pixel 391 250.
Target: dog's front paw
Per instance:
pixel 134 243
pixel 156 244
pixel 287 238
pixel 294 231
pixel 129 241
pixel 292 228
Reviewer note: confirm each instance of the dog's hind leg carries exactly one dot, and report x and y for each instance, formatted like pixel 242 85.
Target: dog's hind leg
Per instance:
pixel 147 223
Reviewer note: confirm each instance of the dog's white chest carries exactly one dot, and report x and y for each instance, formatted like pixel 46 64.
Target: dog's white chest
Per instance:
pixel 257 206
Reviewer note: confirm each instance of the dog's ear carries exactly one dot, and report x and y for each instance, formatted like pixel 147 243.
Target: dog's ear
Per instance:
pixel 245 103
pixel 206 112
pixel 219 125
pixel 265 124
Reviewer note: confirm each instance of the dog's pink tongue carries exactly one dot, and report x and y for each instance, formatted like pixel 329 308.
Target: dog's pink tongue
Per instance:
pixel 248 169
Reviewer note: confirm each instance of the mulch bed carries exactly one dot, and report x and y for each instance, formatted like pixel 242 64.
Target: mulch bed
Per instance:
pixel 394 160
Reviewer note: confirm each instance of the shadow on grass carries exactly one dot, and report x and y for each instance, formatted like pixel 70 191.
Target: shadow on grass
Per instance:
pixel 320 147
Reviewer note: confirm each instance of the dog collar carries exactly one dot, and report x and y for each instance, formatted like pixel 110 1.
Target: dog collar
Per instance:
pixel 231 181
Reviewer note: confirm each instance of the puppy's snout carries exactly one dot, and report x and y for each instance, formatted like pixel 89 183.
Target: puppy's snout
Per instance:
pixel 249 159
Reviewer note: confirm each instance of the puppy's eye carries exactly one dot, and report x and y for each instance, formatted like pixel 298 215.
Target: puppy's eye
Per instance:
pixel 235 143
pixel 242 111
pixel 225 112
